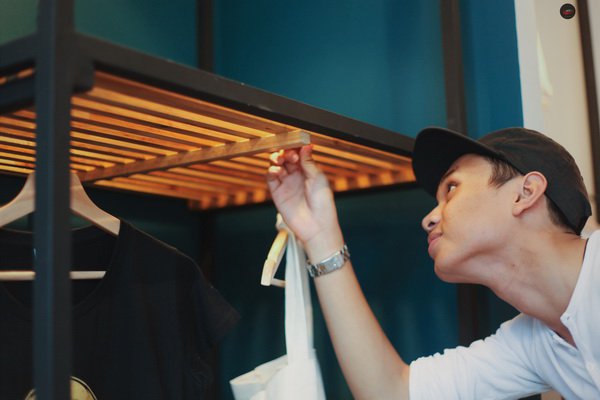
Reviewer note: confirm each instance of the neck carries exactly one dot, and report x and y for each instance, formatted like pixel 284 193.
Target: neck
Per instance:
pixel 540 277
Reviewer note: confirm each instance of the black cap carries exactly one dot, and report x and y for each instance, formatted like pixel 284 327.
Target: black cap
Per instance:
pixel 526 150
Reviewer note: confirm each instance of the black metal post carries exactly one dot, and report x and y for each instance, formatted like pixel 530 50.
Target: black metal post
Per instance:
pixel 467 295
pixel 205 35
pixel 592 95
pixel 52 297
pixel 456 114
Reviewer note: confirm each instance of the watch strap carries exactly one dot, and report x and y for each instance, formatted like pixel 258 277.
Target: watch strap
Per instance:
pixel 330 264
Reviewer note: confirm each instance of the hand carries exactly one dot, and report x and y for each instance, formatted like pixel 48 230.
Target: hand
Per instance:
pixel 305 201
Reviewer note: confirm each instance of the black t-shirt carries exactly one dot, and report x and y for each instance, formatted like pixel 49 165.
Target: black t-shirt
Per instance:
pixel 142 332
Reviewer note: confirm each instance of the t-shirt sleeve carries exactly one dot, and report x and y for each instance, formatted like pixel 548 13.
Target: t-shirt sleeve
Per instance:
pixel 493 368
pixel 214 316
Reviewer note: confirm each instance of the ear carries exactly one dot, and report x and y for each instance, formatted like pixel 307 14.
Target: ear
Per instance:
pixel 531 190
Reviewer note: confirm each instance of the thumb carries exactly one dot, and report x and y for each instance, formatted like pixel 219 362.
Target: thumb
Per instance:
pixel 308 164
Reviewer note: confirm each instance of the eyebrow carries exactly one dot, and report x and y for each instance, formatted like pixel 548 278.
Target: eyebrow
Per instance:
pixel 448 173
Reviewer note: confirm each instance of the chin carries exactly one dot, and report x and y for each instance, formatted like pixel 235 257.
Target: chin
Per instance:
pixel 444 275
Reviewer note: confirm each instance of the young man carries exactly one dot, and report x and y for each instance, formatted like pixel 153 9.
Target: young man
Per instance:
pixel 510 211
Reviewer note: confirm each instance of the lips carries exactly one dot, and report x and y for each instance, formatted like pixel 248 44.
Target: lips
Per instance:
pixel 432 240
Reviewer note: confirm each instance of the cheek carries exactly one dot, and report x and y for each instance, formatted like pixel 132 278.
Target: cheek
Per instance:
pixel 468 223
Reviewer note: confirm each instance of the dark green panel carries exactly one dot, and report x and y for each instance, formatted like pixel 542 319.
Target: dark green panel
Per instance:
pixel 377 61
pixel 163 28
pixel 17 19
pixel 491 64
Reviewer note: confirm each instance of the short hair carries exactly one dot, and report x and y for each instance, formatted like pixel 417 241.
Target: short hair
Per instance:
pixel 503 172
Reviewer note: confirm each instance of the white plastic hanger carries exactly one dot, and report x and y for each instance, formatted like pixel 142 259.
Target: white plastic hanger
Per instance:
pixel 274 257
pixel 81 205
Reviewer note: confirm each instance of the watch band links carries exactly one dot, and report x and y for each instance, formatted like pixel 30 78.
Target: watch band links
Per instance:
pixel 330 264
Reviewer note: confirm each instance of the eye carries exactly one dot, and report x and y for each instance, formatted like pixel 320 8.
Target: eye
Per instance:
pixel 450 187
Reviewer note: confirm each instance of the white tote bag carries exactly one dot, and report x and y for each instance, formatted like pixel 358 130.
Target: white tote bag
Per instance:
pixel 295 376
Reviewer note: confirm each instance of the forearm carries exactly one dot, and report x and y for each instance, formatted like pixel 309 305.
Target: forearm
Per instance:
pixel 371 365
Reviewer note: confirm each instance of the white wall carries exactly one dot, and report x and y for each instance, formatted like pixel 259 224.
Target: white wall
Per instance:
pixel 552 80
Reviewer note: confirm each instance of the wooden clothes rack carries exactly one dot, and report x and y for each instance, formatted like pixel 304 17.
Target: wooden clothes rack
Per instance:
pixel 129 135
pixel 124 120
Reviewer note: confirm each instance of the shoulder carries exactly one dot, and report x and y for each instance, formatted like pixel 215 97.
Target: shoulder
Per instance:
pixel 474 372
pixel 151 258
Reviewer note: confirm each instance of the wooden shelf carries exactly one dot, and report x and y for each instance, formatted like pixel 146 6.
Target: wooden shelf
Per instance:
pixel 170 139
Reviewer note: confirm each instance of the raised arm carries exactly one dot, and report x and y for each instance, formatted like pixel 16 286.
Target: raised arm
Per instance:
pixel 371 365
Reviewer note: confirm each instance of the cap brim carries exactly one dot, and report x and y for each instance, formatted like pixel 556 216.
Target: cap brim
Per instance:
pixel 436 149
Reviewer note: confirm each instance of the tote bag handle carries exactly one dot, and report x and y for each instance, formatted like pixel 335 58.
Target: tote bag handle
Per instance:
pixel 298 307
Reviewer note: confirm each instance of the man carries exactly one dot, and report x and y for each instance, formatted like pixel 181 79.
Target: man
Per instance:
pixel 510 211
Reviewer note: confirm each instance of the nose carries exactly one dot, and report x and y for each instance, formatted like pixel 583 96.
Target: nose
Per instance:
pixel 431 220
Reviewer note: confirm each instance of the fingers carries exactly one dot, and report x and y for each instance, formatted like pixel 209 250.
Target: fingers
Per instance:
pixel 275 175
pixel 284 156
pixel 287 162
pixel 308 164
pixel 287 159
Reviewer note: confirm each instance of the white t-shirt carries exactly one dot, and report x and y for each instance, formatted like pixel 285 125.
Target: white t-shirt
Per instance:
pixel 524 356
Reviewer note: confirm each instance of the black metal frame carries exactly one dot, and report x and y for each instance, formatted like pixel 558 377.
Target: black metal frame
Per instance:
pixel 52 289
pixel 127 63
pixel 467 296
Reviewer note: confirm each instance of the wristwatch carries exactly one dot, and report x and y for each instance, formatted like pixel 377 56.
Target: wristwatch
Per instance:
pixel 330 264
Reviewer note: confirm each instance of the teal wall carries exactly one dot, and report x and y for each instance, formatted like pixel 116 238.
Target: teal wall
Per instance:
pixel 159 27
pixel 379 62
pixel 17 19
pixel 491 64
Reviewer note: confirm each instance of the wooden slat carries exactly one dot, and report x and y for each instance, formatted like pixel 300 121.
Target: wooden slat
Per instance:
pixel 126 135
pixel 195 106
pixel 153 130
pixel 92 162
pixel 108 145
pixel 137 132
pixel 22 74
pixel 211 137
pixel 125 139
pixel 361 159
pixel 287 140
pixel 139 103
pixel 356 152
pixel 241 171
pixel 228 185
pixel 136 186
pixel 16 156
pixel 238 167
pixel 104 153
pixel 155 177
pixel 17 150
pixel 22 171
pixel 220 178
pixel 17 123
pixel 121 144
pixel 16 163
pixel 174 177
